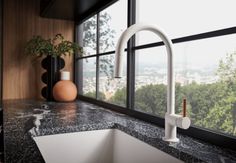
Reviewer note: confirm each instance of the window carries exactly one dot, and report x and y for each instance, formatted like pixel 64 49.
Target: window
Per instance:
pixel 90 36
pixel 203 68
pixel 111 25
pixel 110 89
pixel 203 73
pixel 184 18
pixel 204 62
pixel 100 35
pixel 89 76
pixel 150 81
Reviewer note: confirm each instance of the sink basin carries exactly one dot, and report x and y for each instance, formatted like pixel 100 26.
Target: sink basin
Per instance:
pixel 99 146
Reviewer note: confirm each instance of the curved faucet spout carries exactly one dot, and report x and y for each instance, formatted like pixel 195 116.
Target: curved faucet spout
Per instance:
pixel 172 121
pixel 122 42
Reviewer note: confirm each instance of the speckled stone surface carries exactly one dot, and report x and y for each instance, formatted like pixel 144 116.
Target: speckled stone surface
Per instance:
pixel 25 119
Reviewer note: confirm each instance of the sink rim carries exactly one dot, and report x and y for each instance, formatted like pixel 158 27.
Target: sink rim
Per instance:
pixel 114 132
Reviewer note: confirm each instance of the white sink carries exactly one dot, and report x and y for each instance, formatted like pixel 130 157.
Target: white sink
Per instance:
pixel 99 146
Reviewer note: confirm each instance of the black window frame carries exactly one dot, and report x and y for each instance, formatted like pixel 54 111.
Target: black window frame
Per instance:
pixel 203 134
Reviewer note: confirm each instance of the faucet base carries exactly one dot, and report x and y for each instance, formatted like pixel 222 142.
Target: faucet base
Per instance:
pixel 171 140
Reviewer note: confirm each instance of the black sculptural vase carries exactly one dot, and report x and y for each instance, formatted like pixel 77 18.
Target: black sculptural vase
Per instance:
pixel 52 65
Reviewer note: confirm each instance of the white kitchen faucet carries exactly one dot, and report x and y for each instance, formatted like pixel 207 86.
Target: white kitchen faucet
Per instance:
pixel 172 120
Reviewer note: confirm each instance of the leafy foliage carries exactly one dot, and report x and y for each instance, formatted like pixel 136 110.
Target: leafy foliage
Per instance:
pixel 119 98
pixel 106 35
pixel 227 68
pixel 93 95
pixel 148 97
pixel 211 106
pixel 56 46
pixel 89 34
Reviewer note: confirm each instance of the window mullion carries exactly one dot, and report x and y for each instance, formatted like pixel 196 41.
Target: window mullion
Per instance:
pixel 131 58
pixel 97 58
pixel 78 64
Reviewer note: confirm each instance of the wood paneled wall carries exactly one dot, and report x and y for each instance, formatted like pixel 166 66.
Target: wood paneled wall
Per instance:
pixel 22 76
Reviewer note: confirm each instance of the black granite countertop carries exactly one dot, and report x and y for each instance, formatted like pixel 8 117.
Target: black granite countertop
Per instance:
pixel 25 119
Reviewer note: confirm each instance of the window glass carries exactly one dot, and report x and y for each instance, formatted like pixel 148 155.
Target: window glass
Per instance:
pixel 185 17
pixel 112 22
pixel 150 80
pixel 111 89
pixel 90 36
pixel 89 77
pixel 205 74
pixel 205 69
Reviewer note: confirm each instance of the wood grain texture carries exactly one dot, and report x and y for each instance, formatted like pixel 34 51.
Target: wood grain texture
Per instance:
pixel 21 75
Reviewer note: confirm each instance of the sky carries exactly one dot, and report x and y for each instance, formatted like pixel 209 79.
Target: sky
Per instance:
pixel 180 18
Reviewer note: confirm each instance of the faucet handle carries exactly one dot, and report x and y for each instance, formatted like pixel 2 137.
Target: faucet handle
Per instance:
pixel 178 120
pixel 183 122
pixel 184 107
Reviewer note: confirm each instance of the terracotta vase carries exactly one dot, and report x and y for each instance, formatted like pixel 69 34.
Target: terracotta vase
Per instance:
pixel 64 90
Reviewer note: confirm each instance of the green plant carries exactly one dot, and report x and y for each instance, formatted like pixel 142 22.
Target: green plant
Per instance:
pixel 56 46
